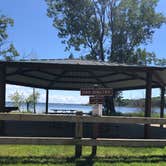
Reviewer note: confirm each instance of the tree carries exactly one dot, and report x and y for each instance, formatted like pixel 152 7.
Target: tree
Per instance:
pixel 160 62
pixel 35 97
pixel 133 22
pixel 32 100
pixel 107 28
pixel 17 99
pixel 28 102
pixel 112 29
pixel 71 57
pixel 142 57
pixel 81 23
pixel 7 51
pixel 32 55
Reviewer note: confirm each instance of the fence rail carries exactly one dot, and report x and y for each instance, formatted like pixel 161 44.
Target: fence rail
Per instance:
pixel 78 141
pixel 82 119
pixel 83 141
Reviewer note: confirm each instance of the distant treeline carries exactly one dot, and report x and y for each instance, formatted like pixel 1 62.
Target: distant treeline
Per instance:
pixel 139 102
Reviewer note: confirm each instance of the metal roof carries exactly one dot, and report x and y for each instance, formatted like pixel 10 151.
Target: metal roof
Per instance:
pixel 77 74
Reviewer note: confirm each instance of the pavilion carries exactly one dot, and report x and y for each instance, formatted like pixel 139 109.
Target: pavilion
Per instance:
pixel 77 74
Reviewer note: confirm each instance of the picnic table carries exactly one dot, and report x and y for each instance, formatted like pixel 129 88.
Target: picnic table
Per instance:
pixel 63 111
pixel 9 109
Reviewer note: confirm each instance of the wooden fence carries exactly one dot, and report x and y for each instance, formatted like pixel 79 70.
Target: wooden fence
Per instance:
pixel 78 141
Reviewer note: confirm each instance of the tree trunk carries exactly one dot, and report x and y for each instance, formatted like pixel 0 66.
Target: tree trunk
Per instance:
pixel 101 50
pixel 27 106
pixel 102 56
pixel 109 105
pixel 34 101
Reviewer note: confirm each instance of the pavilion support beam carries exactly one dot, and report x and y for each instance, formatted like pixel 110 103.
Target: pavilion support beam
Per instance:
pixel 2 88
pixel 148 101
pixel 2 95
pixel 47 98
pixel 34 103
pixel 162 103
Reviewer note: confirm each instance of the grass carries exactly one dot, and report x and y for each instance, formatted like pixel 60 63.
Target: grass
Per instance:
pixel 24 155
pixel 140 114
pixel 12 155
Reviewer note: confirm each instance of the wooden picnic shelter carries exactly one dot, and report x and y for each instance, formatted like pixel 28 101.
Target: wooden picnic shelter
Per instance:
pixel 77 74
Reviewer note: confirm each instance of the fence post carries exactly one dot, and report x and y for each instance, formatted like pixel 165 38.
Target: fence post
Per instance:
pixel 2 95
pixel 78 135
pixel 162 104
pixel 95 128
pixel 95 135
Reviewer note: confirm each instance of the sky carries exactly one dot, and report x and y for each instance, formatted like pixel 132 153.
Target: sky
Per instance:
pixel 34 34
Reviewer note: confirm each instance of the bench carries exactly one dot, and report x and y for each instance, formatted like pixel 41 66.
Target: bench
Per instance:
pixel 9 109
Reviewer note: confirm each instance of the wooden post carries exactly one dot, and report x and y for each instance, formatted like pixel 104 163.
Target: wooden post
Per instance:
pixel 95 129
pixel 78 135
pixel 2 88
pixel 47 97
pixel 34 101
pixel 95 135
pixel 2 95
pixel 148 101
pixel 162 103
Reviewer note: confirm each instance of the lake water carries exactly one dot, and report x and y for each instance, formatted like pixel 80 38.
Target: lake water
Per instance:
pixel 40 108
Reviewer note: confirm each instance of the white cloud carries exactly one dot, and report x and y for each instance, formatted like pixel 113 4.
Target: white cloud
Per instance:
pixel 54 96
pixel 68 99
pixel 57 96
pixel 137 94
pixel 10 89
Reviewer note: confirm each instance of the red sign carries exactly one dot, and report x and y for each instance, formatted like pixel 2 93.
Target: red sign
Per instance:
pixel 96 92
pixel 96 100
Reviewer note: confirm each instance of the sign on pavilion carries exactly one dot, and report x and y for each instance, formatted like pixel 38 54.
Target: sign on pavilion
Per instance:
pixel 96 100
pixel 96 97
pixel 96 92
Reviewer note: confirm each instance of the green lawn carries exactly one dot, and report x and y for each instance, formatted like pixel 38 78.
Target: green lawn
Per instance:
pixel 63 155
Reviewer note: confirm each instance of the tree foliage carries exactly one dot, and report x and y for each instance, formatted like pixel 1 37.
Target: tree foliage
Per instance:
pixel 142 57
pixel 111 29
pixel 4 23
pixel 160 62
pixel 7 51
pixel 17 99
pixel 32 100
pixel 71 57
pixel 133 23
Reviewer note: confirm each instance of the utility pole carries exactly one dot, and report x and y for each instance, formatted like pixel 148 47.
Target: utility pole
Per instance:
pixel 34 101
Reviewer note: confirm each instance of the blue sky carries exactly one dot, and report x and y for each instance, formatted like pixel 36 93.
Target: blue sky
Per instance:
pixel 33 33
pixel 33 30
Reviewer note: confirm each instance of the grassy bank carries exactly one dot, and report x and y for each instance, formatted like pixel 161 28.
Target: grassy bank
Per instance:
pixel 137 114
pixel 63 156
pixel 141 114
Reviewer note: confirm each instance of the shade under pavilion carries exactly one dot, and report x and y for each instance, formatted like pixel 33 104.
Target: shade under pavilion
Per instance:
pixel 77 74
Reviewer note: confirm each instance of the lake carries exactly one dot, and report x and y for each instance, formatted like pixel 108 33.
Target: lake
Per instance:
pixel 40 107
